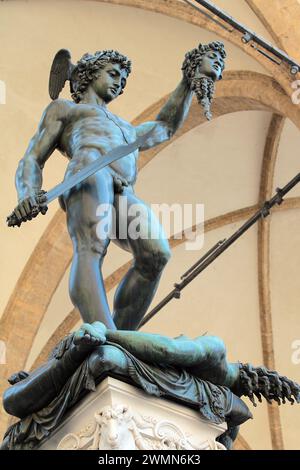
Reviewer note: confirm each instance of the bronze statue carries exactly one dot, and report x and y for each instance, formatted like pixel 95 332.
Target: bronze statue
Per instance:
pixel 193 371
pixel 85 130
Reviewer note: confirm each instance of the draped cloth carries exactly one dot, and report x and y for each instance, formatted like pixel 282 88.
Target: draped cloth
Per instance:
pixel 213 402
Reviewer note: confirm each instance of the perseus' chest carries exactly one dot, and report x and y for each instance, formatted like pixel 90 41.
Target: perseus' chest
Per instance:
pixel 99 120
pixel 127 130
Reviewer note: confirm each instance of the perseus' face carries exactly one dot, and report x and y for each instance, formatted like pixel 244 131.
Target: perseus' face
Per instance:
pixel 111 82
pixel 212 65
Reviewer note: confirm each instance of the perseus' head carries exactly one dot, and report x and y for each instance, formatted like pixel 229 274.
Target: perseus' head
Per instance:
pixel 202 67
pixel 105 71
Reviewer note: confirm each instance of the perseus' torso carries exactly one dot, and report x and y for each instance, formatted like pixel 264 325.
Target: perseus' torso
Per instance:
pixel 93 130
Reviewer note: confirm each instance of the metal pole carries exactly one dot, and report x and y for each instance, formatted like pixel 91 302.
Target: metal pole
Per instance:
pixel 220 247
pixel 248 35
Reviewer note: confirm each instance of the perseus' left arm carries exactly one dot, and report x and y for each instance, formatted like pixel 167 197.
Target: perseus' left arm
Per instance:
pixel 170 117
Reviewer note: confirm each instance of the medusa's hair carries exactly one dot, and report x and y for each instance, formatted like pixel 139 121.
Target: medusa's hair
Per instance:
pixel 261 382
pixel 194 57
pixel 203 87
pixel 89 67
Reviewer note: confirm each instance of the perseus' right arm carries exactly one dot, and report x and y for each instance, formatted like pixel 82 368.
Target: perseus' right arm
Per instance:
pixel 29 172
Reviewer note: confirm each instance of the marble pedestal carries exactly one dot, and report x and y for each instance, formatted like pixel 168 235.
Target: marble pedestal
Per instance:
pixel 119 416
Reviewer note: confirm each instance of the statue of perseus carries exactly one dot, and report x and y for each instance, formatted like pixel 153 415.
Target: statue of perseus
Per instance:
pixel 84 130
pixel 194 372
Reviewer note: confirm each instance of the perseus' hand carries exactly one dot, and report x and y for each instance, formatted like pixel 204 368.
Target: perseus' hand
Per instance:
pixel 119 183
pixel 90 334
pixel 28 208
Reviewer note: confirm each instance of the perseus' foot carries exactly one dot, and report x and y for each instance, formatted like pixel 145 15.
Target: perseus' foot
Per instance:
pixel 90 334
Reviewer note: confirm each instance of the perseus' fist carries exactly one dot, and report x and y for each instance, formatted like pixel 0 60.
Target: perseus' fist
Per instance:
pixel 119 182
pixel 28 208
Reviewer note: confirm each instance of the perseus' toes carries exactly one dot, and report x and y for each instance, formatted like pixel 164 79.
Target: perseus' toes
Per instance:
pixel 87 338
pixel 90 334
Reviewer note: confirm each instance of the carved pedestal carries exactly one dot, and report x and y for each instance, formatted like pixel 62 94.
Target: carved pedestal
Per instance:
pixel 120 416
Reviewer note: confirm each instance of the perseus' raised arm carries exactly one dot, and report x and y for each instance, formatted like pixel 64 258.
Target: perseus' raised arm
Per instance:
pixel 170 117
pixel 202 67
pixel 29 172
pixel 175 110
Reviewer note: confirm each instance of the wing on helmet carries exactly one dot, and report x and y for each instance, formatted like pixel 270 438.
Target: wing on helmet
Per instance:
pixel 60 72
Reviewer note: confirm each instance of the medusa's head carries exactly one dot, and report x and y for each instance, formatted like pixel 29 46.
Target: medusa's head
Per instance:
pixel 202 67
pixel 206 59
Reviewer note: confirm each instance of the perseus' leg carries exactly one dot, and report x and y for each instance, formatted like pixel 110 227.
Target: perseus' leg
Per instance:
pixel 151 252
pixel 89 216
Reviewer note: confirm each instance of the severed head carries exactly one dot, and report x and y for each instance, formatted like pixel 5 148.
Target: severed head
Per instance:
pixel 202 67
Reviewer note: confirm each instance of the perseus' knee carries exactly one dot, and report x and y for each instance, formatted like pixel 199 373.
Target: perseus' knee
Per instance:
pixel 152 263
pixel 107 359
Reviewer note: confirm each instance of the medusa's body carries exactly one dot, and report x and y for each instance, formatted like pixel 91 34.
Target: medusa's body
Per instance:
pixel 105 351
pixel 110 351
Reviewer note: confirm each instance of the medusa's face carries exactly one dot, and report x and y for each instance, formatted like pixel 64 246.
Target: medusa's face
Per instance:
pixel 212 65
pixel 110 83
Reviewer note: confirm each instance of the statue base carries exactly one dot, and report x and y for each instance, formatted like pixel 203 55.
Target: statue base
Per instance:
pixel 119 416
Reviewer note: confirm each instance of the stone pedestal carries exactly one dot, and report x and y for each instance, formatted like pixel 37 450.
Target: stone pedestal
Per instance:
pixel 121 416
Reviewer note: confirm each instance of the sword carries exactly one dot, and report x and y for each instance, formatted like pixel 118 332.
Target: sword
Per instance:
pixel 89 170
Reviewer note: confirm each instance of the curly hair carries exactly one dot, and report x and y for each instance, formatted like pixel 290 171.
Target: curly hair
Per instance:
pixel 89 67
pixel 203 87
pixel 260 381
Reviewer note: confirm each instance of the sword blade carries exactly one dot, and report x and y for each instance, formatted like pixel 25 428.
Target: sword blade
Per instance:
pixel 92 168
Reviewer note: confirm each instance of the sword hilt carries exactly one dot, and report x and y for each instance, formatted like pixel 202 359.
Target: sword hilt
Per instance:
pixel 13 221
